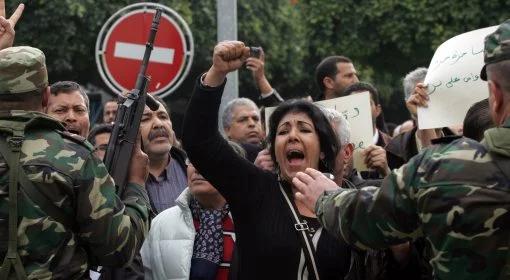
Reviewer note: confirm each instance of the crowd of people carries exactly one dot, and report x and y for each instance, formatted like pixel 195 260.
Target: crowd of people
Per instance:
pixel 246 201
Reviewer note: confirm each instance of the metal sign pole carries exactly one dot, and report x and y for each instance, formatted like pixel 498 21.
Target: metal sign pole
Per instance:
pixel 227 30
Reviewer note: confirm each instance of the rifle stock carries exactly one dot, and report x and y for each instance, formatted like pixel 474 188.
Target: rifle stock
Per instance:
pixel 129 114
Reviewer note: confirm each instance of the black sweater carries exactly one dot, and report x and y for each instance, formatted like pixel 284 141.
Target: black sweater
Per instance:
pixel 267 243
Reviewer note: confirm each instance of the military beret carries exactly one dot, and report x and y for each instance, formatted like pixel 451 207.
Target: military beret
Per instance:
pixel 22 69
pixel 497 47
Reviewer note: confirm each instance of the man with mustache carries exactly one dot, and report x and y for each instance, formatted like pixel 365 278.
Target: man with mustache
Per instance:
pixel 167 178
pixel 69 104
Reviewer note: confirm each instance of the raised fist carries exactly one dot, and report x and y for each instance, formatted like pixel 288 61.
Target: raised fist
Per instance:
pixel 229 56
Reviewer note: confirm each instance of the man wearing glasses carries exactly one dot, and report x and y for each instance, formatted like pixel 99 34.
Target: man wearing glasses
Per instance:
pixel 99 137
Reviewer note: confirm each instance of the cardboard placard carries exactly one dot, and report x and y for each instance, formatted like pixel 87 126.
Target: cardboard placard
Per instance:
pixel 453 80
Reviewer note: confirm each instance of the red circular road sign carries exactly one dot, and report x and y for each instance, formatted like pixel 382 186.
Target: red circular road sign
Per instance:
pixel 121 45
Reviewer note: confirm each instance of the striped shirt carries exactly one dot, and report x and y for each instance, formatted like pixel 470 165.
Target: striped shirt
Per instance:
pixel 164 189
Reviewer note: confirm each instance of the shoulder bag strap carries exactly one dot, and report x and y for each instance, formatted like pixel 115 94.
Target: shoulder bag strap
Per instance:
pixel 35 194
pixel 11 153
pixel 301 228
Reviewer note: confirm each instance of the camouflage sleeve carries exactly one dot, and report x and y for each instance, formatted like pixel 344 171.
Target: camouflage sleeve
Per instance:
pixel 374 217
pixel 113 229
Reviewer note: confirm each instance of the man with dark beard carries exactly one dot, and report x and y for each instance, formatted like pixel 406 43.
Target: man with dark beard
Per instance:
pixel 167 178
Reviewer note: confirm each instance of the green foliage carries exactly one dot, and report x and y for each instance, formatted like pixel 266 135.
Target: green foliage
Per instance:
pixel 275 26
pixel 389 38
pixel 385 38
pixel 66 30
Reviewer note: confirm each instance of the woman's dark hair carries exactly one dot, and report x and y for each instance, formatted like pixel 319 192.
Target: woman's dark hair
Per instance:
pixel 327 139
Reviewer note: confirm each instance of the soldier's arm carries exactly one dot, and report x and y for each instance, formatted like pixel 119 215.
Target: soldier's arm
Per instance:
pixel 112 228
pixel 374 217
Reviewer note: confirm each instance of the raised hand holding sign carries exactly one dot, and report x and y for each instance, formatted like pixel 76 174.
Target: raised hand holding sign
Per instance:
pixel 453 81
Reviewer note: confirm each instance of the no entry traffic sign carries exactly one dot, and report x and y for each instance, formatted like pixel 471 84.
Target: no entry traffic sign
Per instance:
pixel 121 44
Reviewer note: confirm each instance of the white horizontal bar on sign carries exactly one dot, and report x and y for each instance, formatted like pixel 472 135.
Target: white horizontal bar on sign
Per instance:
pixel 136 51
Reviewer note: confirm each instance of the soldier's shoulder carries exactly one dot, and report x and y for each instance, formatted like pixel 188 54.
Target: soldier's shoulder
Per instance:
pixel 56 147
pixel 75 139
pixel 457 147
pixel 460 152
pixel 60 139
pixel 459 162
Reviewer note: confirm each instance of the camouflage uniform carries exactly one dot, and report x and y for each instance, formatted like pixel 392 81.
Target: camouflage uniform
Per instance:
pixel 457 196
pixel 104 229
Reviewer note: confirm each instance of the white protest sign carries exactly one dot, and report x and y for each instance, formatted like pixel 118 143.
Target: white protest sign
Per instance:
pixel 356 109
pixel 453 80
pixel 268 112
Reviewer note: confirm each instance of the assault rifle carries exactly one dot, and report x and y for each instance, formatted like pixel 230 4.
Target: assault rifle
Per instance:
pixel 129 114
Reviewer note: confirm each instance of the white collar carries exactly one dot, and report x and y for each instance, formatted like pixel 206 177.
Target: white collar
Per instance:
pixel 376 136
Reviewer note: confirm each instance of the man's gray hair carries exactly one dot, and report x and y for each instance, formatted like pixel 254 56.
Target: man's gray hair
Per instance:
pixel 411 79
pixel 340 125
pixel 226 117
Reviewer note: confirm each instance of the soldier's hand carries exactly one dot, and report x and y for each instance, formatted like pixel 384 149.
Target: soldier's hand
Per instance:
pixel 375 157
pixel 256 66
pixel 310 185
pixel 7 27
pixel 419 98
pixel 139 165
pixel 264 160
pixel 228 56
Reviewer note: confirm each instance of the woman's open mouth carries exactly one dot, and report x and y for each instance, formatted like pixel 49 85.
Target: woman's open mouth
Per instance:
pixel 295 157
